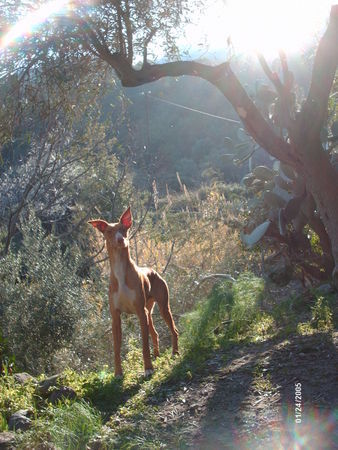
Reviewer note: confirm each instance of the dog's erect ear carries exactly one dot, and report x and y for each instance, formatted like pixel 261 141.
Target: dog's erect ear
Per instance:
pixel 126 218
pixel 99 224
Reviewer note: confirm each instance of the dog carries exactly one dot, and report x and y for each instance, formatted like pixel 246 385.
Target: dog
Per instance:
pixel 133 290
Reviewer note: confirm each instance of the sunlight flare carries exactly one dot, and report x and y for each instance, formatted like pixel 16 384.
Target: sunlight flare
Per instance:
pixel 29 23
pixel 264 25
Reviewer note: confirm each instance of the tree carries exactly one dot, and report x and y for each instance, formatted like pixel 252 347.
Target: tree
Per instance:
pixel 119 32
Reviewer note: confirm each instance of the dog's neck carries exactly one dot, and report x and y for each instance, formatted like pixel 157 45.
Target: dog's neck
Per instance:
pixel 120 262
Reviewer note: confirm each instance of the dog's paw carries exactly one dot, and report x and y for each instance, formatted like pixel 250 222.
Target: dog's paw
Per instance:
pixel 148 372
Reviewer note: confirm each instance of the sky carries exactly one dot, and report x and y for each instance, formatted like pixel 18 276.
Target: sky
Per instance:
pixel 258 25
pixel 252 25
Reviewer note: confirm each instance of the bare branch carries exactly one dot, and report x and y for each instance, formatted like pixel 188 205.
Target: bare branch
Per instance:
pixel 225 276
pixel 284 91
pixel 169 257
pixel 142 220
pixel 225 80
pixel 323 73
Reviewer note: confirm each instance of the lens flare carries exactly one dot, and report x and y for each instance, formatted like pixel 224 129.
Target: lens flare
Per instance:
pixel 28 24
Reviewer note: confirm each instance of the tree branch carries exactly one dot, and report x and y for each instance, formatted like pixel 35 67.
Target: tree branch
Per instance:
pixel 169 257
pixel 323 73
pixel 222 77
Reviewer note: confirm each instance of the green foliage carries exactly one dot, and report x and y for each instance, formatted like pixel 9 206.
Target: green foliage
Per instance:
pixel 263 328
pixel 225 314
pixel 15 396
pixel 7 360
pixel 199 325
pixel 41 297
pixel 248 293
pixel 73 425
pixel 322 315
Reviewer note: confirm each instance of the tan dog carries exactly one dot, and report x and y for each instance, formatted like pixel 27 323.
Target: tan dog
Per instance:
pixel 133 290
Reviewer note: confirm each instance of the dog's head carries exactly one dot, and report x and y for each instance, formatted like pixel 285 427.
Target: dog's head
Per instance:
pixel 116 234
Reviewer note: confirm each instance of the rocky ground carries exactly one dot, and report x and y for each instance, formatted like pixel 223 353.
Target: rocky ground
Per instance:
pixel 248 398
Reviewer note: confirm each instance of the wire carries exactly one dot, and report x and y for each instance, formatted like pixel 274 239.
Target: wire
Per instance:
pixel 195 110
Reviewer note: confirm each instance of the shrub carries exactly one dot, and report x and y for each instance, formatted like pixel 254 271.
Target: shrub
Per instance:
pixel 225 313
pixel 321 315
pixel 73 425
pixel 14 396
pixel 41 297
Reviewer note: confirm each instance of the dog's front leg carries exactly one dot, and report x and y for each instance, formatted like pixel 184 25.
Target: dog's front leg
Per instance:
pixel 144 322
pixel 117 338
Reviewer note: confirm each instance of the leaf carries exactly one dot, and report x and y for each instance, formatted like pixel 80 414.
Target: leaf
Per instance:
pixel 287 171
pixel 281 223
pixel 282 183
pixel 240 161
pixel 276 165
pixel 282 193
pixel 324 134
pixel 263 173
pixel 258 185
pixel 228 157
pixel 229 143
pixel 243 145
pixel 242 135
pixel 292 208
pixel 251 239
pixel 334 129
pixel 248 180
pixel 273 200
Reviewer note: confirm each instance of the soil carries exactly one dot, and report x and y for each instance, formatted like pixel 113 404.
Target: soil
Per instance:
pixel 247 400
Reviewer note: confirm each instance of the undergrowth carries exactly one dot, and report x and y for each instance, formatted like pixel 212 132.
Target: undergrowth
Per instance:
pixel 129 407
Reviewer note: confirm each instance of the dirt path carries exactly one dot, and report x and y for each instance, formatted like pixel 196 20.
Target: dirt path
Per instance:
pixel 248 398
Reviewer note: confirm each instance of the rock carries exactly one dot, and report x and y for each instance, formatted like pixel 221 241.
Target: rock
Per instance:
pixel 62 393
pixel 20 421
pixel 23 378
pixel 7 440
pixel 279 270
pixel 44 385
pixel 45 446
pixel 325 289
pixel 96 444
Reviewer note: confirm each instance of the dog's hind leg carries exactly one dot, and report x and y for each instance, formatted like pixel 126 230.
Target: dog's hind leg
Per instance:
pixel 152 331
pixel 160 293
pixel 168 318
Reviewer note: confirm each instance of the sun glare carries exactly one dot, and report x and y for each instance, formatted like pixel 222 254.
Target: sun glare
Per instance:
pixel 28 24
pixel 261 25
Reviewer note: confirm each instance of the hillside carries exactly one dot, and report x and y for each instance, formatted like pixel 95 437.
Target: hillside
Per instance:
pixel 233 386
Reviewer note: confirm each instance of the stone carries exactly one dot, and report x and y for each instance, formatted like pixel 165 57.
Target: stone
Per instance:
pixel 325 289
pixel 23 377
pixel 62 393
pixel 7 440
pixel 96 444
pixel 43 388
pixel 279 270
pixel 20 421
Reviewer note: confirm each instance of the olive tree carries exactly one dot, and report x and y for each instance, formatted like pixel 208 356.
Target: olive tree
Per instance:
pixel 119 33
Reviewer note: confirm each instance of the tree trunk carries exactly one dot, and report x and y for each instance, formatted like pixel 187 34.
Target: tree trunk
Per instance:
pixel 322 181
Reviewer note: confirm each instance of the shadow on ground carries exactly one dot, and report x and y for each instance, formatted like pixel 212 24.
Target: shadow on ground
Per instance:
pixel 253 401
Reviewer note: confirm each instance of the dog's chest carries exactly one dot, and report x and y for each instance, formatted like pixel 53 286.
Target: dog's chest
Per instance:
pixel 123 296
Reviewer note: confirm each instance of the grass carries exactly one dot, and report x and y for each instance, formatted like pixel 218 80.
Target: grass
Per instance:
pixel 128 407
pixel 73 425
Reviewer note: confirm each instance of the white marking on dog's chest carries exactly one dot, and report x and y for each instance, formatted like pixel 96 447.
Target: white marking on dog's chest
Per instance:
pixel 124 298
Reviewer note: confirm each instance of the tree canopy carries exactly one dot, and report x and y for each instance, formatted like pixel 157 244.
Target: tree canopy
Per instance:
pixel 86 38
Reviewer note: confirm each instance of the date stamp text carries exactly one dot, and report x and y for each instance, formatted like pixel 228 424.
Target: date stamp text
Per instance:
pixel 298 402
